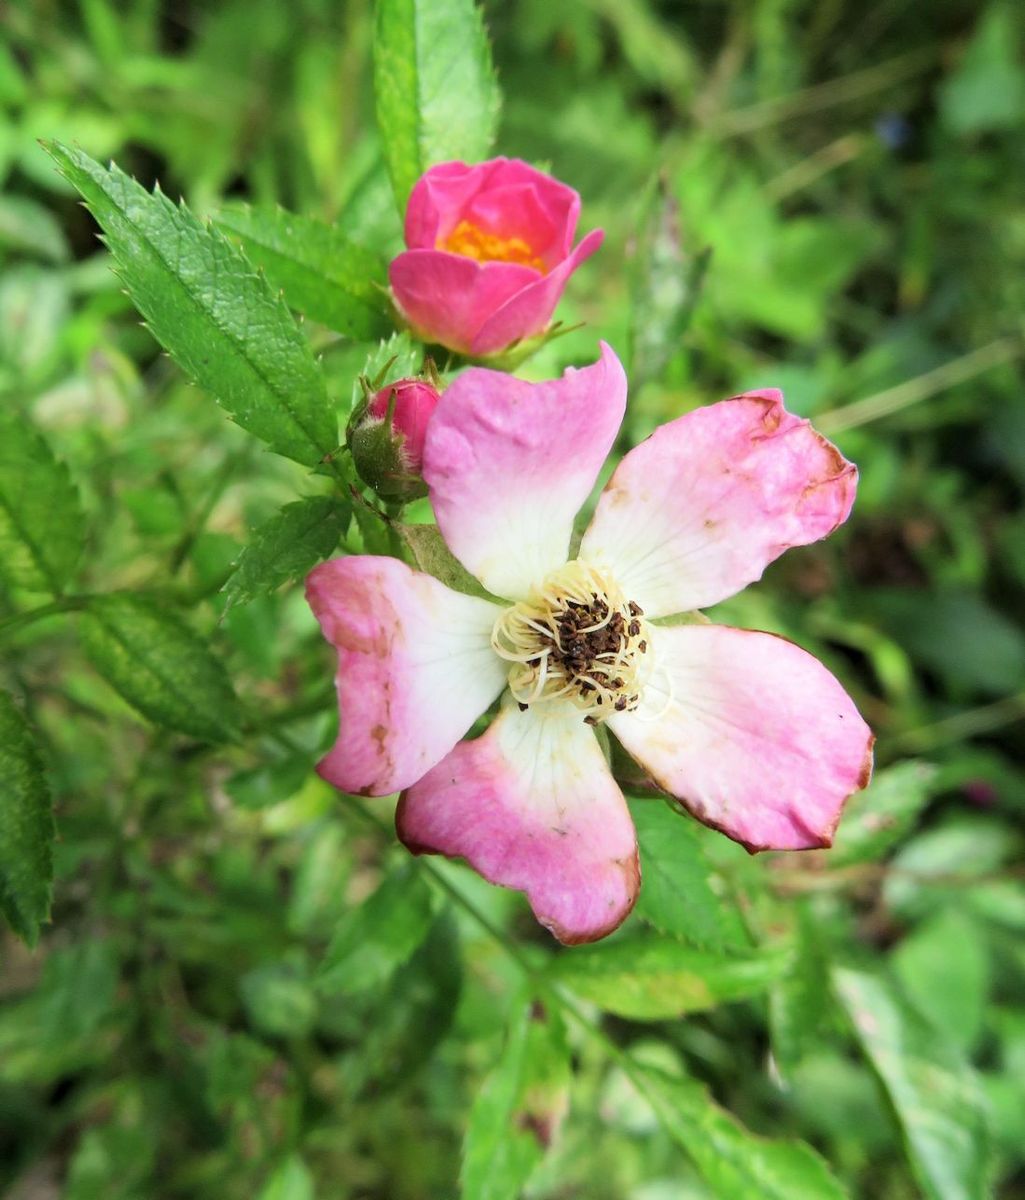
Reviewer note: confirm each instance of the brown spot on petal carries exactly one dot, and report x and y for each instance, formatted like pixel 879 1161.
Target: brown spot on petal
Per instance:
pixel 773 415
pixel 865 774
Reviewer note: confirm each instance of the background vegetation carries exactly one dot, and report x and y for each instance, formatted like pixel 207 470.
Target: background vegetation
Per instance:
pixel 245 988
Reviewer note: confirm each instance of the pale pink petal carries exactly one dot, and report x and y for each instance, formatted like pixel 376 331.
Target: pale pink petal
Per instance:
pixel 531 805
pixel 415 669
pixel 751 733
pixel 701 508
pixel 529 310
pixel 509 463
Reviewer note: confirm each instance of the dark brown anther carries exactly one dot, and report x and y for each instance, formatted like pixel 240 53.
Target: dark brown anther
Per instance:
pixel 621 703
pixel 521 706
pixel 590 720
pixel 634 628
pixel 635 609
pixel 643 647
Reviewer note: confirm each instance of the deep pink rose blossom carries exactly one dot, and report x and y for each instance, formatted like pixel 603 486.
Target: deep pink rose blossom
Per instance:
pixel 415 401
pixel 747 730
pixel 489 252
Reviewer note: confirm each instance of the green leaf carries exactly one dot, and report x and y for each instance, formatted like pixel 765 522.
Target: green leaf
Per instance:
pixel 665 282
pixel 320 271
pixel 801 1001
pixel 79 990
pixel 31 229
pixel 208 307
pixel 650 978
pixel 375 939
pixel 286 547
pixel 876 819
pixel 278 1000
pixel 291 1181
pixel 735 1163
pixel 34 311
pixel 677 897
pixel 519 1108
pixel 41 520
pixel 156 663
pixel 402 1023
pixel 934 1092
pixel 397 357
pixel 26 827
pixel 956 634
pixel 950 989
pixel 946 863
pixel 437 97
pixel 987 90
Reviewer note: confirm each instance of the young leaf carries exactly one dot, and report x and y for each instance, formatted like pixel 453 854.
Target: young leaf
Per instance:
pixel 208 307
pixel 519 1108
pixel 159 666
pixel 278 999
pixel 934 1092
pixel 410 1016
pixel 651 978
pixel 375 939
pixel 801 1001
pixel 26 827
pixel 286 547
pixel 950 990
pixel 398 357
pixel 734 1162
pixel 290 1181
pixel 665 282
pixel 30 228
pixel 41 521
pixel 677 897
pixel 322 274
pixel 437 97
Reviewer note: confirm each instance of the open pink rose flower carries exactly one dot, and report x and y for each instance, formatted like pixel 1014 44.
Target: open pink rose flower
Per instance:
pixel 490 249
pixel 747 730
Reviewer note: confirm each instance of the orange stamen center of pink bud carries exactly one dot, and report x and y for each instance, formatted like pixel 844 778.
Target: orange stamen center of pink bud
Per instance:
pixel 471 241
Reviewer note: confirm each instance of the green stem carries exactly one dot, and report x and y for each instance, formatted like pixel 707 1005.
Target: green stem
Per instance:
pixel 222 478
pixel 833 92
pixel 922 387
pixel 542 987
pixel 63 605
pixel 957 728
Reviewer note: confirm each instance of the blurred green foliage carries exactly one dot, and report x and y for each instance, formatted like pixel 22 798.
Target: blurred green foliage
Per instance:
pixel 246 990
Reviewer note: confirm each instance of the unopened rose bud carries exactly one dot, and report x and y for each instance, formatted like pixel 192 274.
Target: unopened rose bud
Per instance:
pixel 387 435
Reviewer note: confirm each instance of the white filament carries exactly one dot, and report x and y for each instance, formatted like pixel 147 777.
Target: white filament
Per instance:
pixel 528 636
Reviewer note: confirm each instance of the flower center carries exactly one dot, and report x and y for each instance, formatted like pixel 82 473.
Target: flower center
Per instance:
pixel 471 241
pixel 576 637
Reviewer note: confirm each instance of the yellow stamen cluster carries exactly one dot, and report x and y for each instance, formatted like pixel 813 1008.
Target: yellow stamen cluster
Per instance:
pixel 576 637
pixel 473 242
